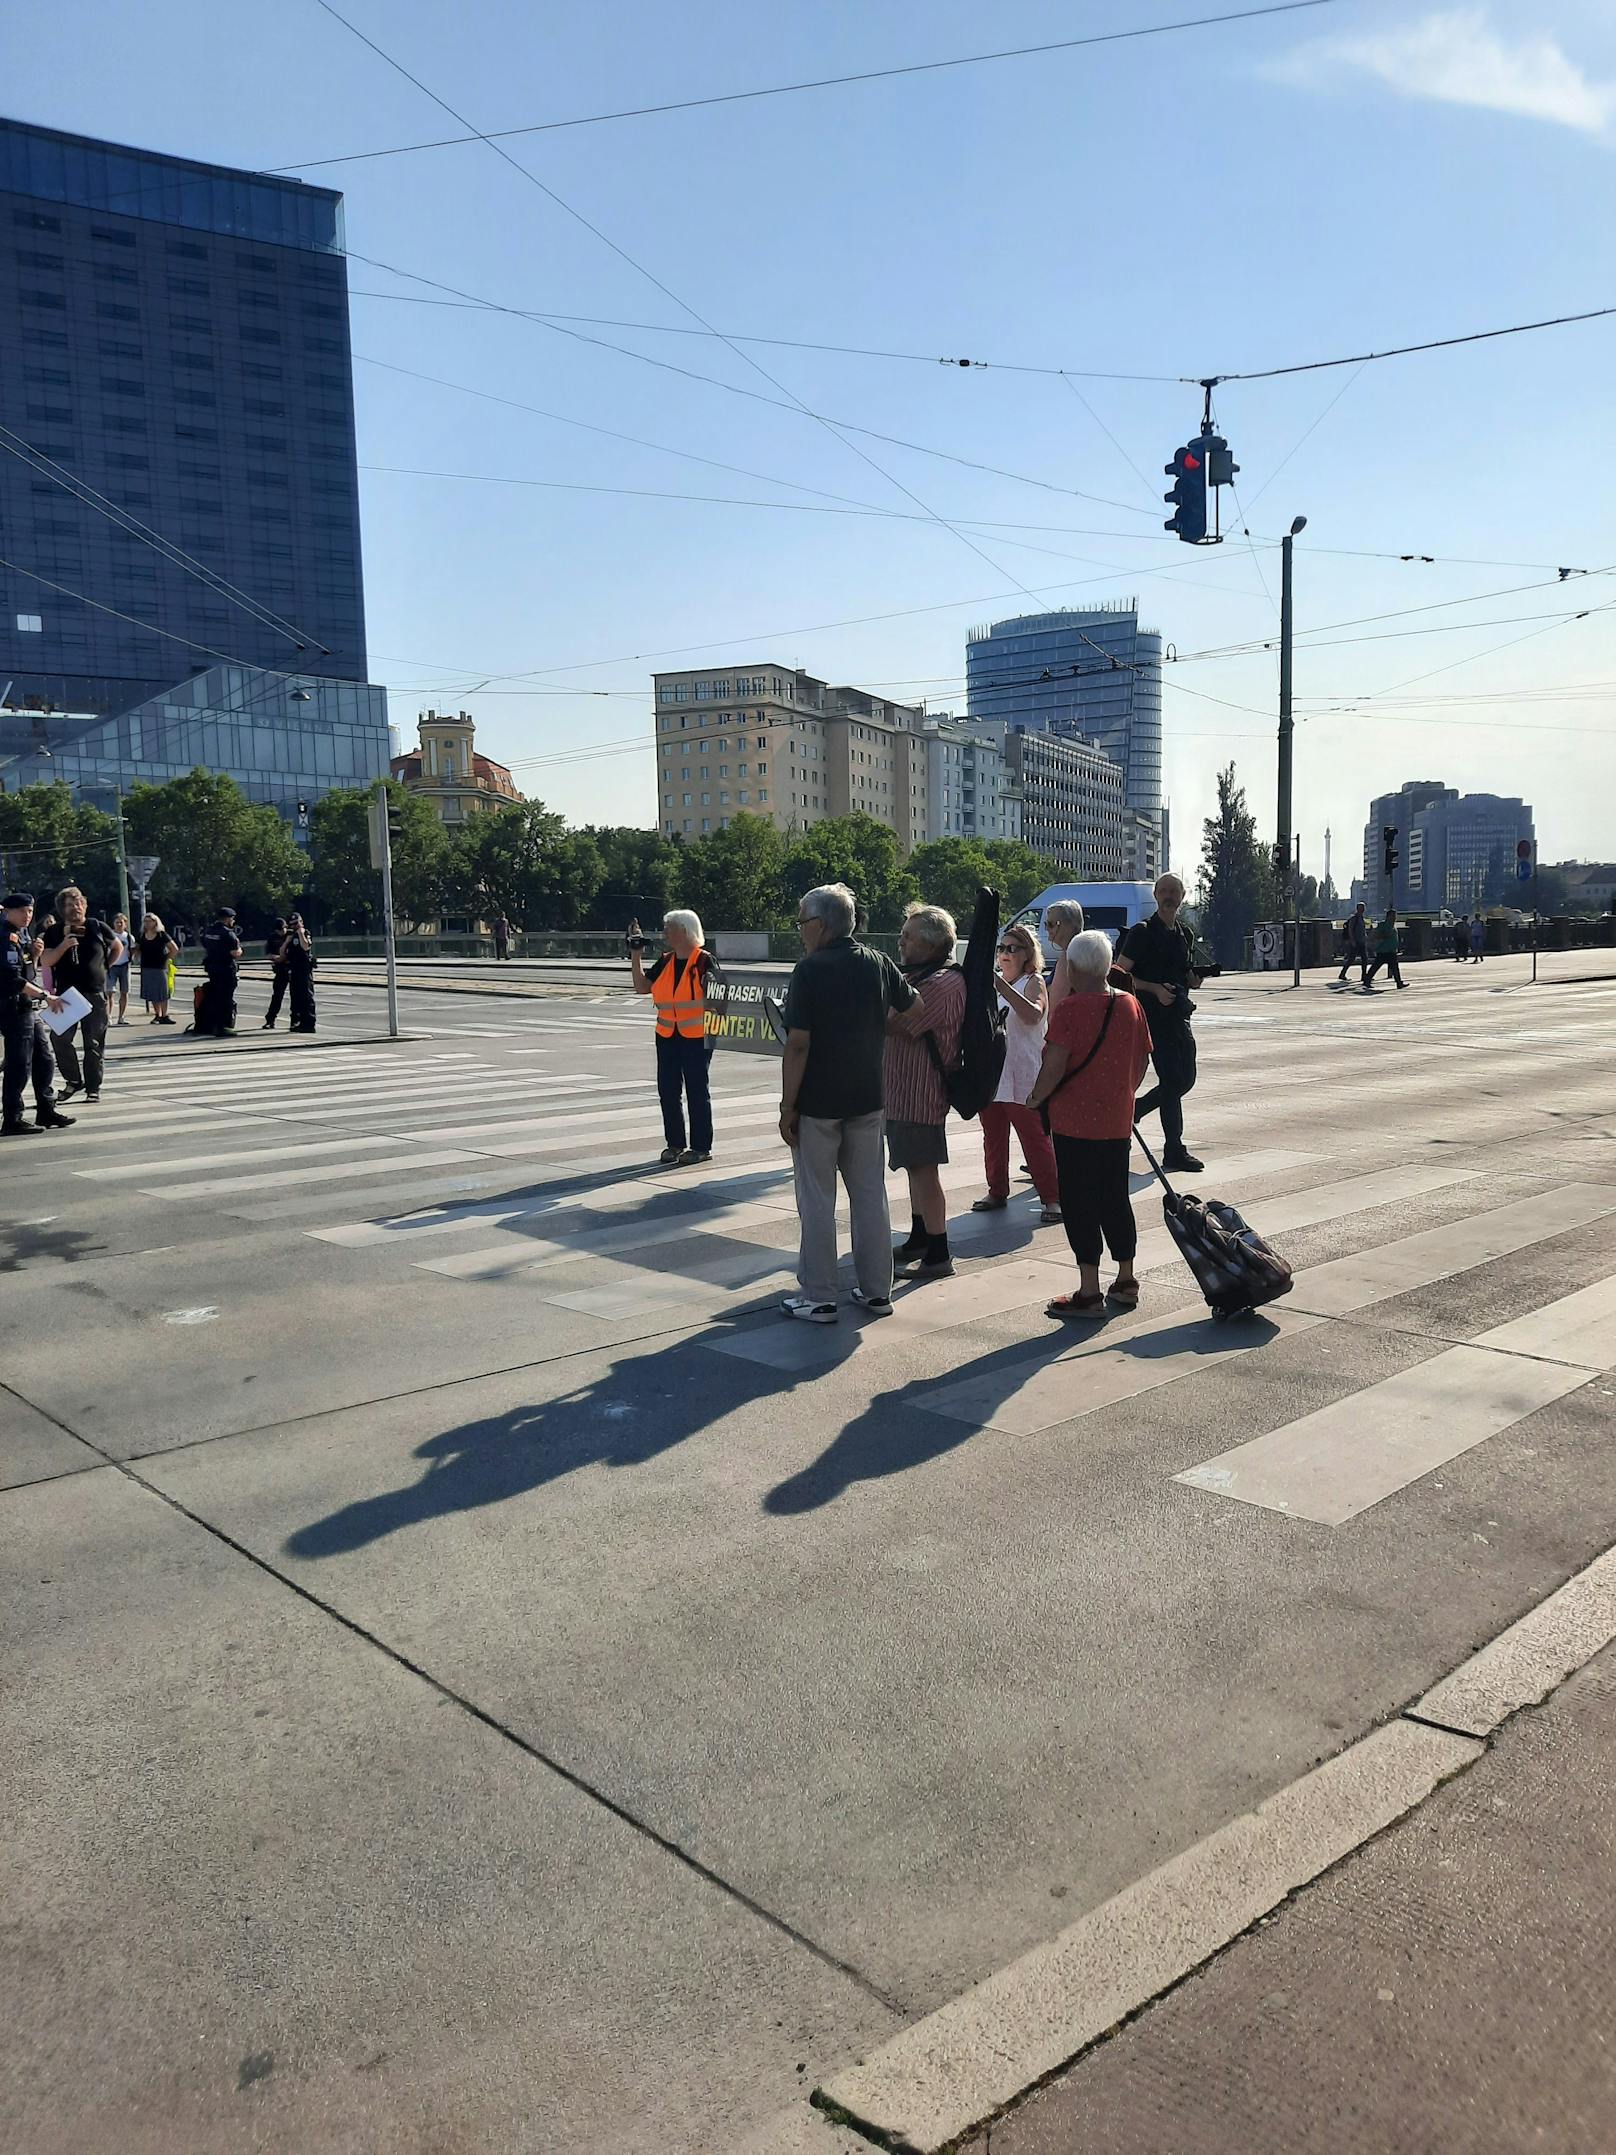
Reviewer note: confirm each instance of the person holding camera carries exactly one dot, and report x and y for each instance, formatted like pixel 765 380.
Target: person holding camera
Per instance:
pixel 300 963
pixel 677 984
pixel 1158 959
pixel 80 952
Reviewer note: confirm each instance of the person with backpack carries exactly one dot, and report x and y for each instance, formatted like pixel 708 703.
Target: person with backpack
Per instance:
pixel 1099 1048
pixel 916 1088
pixel 1386 950
pixel 1355 945
pixel 1158 958
pixel 1023 1000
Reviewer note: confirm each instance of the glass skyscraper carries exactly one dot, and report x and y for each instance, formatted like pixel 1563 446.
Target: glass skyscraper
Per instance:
pixel 177 344
pixel 1113 699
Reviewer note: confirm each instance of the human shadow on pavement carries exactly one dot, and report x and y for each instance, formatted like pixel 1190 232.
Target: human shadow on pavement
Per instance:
pixel 897 1431
pixel 632 1414
pixel 25 1244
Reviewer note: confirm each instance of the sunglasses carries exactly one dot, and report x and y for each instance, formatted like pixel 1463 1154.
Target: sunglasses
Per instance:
pixel 1012 950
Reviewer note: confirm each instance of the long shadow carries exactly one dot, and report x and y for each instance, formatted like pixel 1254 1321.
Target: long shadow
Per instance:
pixel 24 1245
pixel 628 1417
pixel 897 1432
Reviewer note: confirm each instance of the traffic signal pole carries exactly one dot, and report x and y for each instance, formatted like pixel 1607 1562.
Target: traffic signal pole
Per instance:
pixel 1287 726
pixel 381 855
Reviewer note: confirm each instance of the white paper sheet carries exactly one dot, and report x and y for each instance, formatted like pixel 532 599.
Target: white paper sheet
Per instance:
pixel 74 1007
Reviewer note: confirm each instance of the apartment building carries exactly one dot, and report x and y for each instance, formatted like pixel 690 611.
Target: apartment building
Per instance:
pixel 972 794
pixel 770 740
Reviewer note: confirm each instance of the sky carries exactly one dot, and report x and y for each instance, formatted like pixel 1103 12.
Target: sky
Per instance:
pixel 1223 200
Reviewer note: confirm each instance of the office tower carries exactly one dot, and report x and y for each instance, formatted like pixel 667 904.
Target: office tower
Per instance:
pixel 177 342
pixel 1464 847
pixel 1086 673
pixel 1398 810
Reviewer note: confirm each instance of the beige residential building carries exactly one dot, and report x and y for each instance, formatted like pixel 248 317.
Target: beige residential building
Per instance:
pixel 447 769
pixel 768 740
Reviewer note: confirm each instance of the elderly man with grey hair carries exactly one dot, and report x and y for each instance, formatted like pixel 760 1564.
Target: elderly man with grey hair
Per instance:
pixel 1062 921
pixel 836 1012
pixel 678 984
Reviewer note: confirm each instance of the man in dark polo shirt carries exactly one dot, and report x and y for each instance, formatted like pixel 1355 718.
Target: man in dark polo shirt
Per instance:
pixel 1159 954
pixel 78 951
pixel 830 1101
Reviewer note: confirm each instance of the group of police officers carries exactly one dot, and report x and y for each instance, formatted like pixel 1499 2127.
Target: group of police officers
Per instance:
pixel 80 951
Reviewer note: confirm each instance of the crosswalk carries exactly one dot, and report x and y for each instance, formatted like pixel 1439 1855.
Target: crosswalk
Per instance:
pixel 514 1163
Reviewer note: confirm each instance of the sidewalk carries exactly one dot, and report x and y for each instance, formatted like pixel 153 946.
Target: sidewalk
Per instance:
pixel 1448 1990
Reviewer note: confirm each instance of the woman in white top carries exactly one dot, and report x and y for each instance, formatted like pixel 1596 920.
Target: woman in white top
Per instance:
pixel 1026 1007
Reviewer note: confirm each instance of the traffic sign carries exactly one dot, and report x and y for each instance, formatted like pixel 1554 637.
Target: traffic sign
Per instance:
pixel 142 867
pixel 1523 870
pixel 1523 849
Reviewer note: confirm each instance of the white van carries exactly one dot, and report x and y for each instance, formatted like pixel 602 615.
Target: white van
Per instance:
pixel 1111 906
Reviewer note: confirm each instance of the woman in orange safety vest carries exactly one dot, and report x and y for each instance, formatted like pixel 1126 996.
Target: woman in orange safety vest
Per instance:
pixel 677 984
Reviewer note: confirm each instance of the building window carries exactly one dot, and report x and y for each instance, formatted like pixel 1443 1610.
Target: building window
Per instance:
pixel 31 624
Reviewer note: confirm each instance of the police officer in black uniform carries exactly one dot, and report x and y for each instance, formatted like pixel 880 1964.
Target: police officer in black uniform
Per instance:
pixel 275 951
pixel 221 964
pixel 26 1038
pixel 1159 954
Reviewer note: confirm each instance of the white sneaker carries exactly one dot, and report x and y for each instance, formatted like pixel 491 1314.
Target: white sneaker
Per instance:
pixel 799 1306
pixel 878 1305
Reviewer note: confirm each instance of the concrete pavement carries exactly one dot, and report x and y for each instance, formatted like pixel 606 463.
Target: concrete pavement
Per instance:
pixel 759 1689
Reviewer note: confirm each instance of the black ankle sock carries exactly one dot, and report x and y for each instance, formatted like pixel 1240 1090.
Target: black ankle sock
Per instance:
pixel 917 1233
pixel 936 1247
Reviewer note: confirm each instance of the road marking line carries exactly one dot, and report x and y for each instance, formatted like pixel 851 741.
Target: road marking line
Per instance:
pixel 1315 1207
pixel 1579 1328
pixel 1354 1283
pixel 1034 1393
pixel 930 2083
pixel 513 1253
pixel 200 1163
pixel 329 1171
pixel 1342 1459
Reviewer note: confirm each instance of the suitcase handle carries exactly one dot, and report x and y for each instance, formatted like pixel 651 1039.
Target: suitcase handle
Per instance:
pixel 1156 1167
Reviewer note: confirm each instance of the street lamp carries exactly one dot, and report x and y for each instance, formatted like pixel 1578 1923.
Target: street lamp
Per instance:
pixel 1282 836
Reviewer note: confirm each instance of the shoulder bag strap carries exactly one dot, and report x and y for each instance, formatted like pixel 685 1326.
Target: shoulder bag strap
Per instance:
pixel 1105 1027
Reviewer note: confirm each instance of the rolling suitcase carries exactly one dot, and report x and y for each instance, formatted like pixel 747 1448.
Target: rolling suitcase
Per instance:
pixel 1234 1267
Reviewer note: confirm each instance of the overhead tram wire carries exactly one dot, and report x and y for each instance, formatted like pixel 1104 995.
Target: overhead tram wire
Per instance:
pixel 826 82
pixel 786 402
pixel 668 293
pixel 89 497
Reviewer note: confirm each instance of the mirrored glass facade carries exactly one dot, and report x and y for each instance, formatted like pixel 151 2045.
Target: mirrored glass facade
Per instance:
pixel 1113 700
pixel 284 739
pixel 176 340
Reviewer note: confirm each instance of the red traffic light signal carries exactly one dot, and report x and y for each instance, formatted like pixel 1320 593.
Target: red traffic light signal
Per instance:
pixel 1188 494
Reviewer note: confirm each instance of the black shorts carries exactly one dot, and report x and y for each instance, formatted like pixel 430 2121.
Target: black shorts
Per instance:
pixel 917 1144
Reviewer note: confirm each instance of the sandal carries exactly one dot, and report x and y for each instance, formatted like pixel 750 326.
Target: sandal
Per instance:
pixel 1125 1293
pixel 1074 1305
pixel 990 1204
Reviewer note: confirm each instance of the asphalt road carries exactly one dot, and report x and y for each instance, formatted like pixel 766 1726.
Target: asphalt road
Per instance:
pixel 487 1682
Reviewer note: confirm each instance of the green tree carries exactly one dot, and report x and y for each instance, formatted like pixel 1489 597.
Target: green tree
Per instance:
pixel 48 839
pixel 857 850
pixel 642 871
pixel 1237 878
pixel 348 888
pixel 521 860
pixel 1019 873
pixel 732 876
pixel 216 848
pixel 950 872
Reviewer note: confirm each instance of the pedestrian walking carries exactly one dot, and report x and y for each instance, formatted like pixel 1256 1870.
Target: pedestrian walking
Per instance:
pixel 1024 1001
pixel 917 1053
pixel 1098 1048
pixel 1356 934
pixel 1478 940
pixel 23 1032
pixel 1386 950
pixel 275 951
pixel 221 968
pixel 80 952
pixel 1159 956
pixel 1063 920
pixel 156 950
pixel 300 963
pixel 118 975
pixel 1461 939
pixel 502 937
pixel 677 984
pixel 836 1013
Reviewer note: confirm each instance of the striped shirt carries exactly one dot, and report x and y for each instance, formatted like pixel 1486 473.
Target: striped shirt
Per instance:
pixel 914 1090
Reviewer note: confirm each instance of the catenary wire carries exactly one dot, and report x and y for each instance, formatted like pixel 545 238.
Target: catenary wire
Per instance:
pixel 827 82
pixel 125 520
pixel 273 673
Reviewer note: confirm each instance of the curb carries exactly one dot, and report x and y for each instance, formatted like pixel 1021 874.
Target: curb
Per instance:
pixel 963 2064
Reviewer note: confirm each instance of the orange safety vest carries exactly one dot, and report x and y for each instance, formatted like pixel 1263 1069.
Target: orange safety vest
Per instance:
pixel 680 1004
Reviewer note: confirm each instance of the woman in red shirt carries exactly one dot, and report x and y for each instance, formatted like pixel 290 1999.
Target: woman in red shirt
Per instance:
pixel 1098 1050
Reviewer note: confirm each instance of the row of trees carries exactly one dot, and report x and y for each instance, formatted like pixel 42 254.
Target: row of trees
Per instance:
pixel 521 859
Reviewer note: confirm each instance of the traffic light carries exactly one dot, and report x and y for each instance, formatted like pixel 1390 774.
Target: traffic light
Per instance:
pixel 1388 840
pixel 1188 474
pixel 1282 860
pixel 1220 464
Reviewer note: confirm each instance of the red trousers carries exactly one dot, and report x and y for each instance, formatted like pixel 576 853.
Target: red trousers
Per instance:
pixel 997 1123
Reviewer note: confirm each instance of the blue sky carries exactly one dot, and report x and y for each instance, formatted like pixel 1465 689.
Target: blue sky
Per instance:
pixel 1354 176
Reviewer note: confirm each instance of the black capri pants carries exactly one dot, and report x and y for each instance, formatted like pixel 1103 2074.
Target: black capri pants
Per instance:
pixel 1094 1197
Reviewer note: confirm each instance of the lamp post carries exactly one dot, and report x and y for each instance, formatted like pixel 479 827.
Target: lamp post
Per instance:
pixel 1287 727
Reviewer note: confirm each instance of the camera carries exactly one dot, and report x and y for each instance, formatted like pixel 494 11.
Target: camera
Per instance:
pixel 639 942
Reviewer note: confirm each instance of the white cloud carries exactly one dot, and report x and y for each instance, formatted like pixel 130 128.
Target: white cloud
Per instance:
pixel 1458 58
